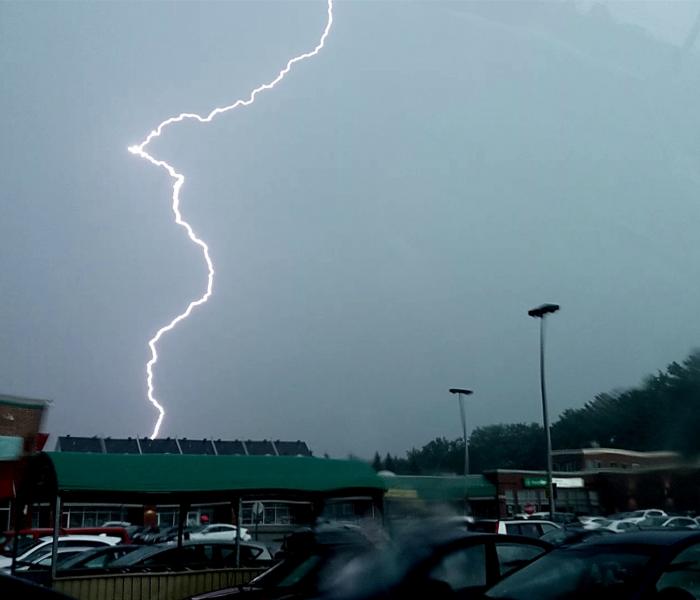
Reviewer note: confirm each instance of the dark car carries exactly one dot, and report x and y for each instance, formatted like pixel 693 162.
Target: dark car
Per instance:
pixel 627 566
pixel 436 564
pixel 192 555
pixel 571 534
pixel 96 558
pixel 309 557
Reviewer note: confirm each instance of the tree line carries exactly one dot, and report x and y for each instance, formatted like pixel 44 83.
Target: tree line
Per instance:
pixel 663 413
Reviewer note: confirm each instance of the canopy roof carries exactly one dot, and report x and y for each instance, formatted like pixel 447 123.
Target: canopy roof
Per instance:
pixel 87 475
pixel 445 489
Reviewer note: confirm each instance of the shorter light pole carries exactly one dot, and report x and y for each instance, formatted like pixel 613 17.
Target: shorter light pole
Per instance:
pixel 461 393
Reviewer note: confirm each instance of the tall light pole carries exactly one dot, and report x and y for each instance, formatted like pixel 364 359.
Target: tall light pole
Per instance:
pixel 539 313
pixel 461 393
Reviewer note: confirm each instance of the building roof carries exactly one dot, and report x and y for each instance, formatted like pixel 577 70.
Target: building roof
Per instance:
pixel 79 444
pixel 260 448
pixel 445 489
pixel 69 443
pixel 22 402
pixel 159 446
pixel 230 447
pixel 122 446
pixel 618 451
pixel 196 446
pixel 88 475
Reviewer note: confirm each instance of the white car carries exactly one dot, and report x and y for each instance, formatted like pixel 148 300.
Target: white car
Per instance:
pixel 38 550
pixel 220 531
pixel 621 525
pixel 637 516
pixel 533 528
pixel 671 522
pixel 45 559
pixel 593 522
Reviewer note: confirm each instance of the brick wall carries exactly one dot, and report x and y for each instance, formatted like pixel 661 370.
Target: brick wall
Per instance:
pixel 21 420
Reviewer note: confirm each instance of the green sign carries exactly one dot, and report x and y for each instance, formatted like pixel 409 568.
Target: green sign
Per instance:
pixel 535 482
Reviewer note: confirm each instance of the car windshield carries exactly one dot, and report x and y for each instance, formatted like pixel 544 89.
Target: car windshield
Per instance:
pixel 653 521
pixel 302 569
pixel 290 572
pixel 575 573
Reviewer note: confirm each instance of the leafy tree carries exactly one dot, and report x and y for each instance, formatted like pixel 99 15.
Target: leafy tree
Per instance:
pixel 661 414
pixel 377 462
pixel 511 446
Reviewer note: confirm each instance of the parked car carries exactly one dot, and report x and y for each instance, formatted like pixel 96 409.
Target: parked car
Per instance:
pixel 434 565
pixel 622 525
pixel 558 517
pixel 674 522
pixel 638 515
pixel 28 537
pixel 39 549
pixel 310 556
pixel 220 531
pixel 96 558
pixel 43 560
pixel 147 535
pixel 193 555
pixel 629 566
pixel 533 528
pixel 591 522
pixel 572 535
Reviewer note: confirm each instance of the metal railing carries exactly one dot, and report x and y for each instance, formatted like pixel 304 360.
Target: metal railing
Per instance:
pixel 152 586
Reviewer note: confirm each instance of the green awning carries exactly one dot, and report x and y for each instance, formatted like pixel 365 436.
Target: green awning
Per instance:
pixel 86 474
pixel 445 489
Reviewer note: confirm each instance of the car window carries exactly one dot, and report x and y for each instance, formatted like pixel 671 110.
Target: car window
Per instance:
pixel 547 527
pixel 196 556
pixel 512 529
pixel 683 572
pixel 680 522
pixel 167 558
pixel 529 529
pixel 98 561
pixel 250 552
pixel 228 555
pixel 463 568
pixel 34 554
pixel 302 570
pixel 513 556
pixel 581 573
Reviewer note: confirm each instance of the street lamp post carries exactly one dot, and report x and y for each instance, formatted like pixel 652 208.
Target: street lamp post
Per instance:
pixel 539 313
pixel 461 393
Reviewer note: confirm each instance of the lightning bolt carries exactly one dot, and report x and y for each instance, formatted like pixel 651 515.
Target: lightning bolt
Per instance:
pixel 179 180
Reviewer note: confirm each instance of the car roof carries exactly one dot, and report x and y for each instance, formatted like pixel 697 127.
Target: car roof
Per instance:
pixel 518 521
pixel 108 539
pixel 447 536
pixel 653 537
pixel 146 551
pixel 327 534
pixel 92 552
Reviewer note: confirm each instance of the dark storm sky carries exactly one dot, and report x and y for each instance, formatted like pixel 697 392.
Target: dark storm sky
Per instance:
pixel 380 223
